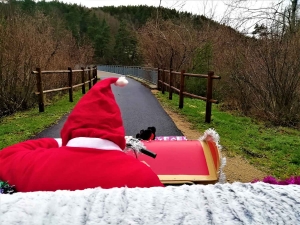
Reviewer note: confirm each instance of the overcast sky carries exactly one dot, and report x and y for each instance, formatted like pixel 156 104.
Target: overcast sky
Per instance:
pixel 224 11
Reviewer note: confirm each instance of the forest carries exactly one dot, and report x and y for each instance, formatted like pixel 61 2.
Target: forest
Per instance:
pixel 260 72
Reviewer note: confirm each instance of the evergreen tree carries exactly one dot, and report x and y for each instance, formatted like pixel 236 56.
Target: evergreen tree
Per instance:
pixel 99 32
pixel 102 40
pixel 28 5
pixel 125 50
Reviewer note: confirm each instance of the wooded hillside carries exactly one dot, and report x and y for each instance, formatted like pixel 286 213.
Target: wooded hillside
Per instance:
pixel 260 74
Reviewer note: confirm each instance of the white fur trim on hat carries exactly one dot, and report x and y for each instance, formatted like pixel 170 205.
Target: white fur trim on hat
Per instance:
pixel 96 143
pixel 121 82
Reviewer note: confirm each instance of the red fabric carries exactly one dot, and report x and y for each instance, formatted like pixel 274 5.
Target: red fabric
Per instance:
pixel 40 165
pixel 96 115
pixel 176 158
pixel 151 137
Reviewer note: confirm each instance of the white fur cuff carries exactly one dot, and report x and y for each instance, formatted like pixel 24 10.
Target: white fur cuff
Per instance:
pixel 59 141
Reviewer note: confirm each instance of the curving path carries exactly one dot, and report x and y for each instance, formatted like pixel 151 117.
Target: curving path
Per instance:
pixel 140 109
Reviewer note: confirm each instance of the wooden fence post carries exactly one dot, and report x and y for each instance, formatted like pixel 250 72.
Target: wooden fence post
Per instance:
pixel 90 78
pixel 95 75
pixel 163 82
pixel 82 81
pixel 208 97
pixel 70 76
pixel 181 89
pixel 40 90
pixel 158 79
pixel 170 84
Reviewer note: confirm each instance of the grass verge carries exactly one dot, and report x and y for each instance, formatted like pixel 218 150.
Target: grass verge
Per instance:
pixel 274 150
pixel 24 125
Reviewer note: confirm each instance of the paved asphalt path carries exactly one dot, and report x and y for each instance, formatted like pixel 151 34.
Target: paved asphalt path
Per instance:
pixel 139 108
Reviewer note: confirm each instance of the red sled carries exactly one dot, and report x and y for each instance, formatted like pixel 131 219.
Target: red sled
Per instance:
pixel 184 162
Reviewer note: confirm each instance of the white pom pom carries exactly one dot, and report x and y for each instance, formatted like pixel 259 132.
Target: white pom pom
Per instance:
pixel 121 82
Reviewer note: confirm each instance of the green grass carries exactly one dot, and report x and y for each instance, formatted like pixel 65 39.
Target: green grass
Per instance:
pixel 23 125
pixel 274 150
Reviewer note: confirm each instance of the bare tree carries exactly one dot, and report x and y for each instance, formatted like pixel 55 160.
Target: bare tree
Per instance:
pixel 27 42
pixel 262 72
pixel 168 44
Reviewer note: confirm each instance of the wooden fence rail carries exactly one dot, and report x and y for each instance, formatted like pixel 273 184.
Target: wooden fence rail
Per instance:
pixel 162 84
pixel 92 80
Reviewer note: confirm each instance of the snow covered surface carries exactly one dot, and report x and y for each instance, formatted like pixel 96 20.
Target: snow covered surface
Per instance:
pixel 237 203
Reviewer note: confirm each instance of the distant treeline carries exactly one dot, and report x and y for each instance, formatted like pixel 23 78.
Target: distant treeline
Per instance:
pixel 109 29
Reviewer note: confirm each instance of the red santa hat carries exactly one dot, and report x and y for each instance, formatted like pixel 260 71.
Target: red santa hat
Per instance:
pixel 97 115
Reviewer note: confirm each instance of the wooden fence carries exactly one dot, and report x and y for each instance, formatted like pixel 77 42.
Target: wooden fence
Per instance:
pixel 92 80
pixel 164 75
